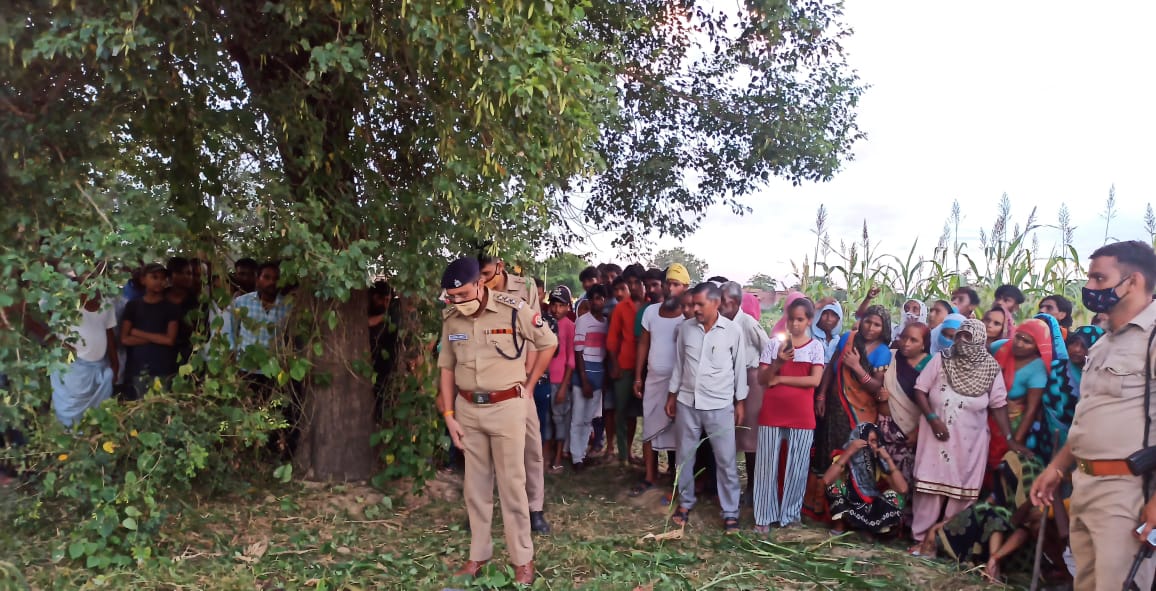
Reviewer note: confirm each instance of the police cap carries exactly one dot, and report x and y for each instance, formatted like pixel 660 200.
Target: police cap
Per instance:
pixel 461 272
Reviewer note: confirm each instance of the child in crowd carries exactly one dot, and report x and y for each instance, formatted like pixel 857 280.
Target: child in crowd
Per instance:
pixel 561 371
pixel 589 354
pixel 149 332
pixel 965 300
pixel 790 367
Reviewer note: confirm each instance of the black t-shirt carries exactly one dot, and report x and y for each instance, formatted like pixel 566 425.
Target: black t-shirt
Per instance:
pixel 150 358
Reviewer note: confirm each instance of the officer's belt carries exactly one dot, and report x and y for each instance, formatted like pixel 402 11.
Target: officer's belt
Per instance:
pixel 490 397
pixel 1103 467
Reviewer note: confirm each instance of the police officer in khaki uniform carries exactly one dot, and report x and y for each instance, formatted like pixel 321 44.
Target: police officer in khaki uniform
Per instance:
pixel 483 332
pixel 1109 425
pixel 495 277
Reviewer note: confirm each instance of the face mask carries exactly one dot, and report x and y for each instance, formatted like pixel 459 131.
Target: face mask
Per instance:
pixel 468 308
pixel 1101 300
pixel 496 280
pixel 944 342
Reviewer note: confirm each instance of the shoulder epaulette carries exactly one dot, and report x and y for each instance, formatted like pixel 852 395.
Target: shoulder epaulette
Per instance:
pixel 448 311
pixel 504 298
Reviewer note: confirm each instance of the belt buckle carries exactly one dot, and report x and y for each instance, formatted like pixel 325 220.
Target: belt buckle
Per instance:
pixel 1084 466
pixel 481 397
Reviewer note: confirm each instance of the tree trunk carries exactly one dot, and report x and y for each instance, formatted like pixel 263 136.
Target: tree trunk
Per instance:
pixel 337 418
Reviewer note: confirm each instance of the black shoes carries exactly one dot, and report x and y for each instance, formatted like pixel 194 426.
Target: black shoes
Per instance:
pixel 538 523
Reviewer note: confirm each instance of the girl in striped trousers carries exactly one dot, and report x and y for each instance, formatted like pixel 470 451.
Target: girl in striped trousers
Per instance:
pixel 790 367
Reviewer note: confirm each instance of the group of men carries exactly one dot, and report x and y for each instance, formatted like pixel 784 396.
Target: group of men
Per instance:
pixel 678 358
pixel 125 344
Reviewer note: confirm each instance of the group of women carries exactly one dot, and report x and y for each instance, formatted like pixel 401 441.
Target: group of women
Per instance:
pixel 935 426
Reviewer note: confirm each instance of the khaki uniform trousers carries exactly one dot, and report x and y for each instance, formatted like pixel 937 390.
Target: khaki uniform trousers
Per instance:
pixel 494 445
pixel 535 463
pixel 1105 515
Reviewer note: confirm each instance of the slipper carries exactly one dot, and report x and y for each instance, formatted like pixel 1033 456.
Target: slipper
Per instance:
pixel 637 461
pixel 641 488
pixel 681 517
pixel 667 500
pixel 731 525
pixel 762 529
pixel 556 469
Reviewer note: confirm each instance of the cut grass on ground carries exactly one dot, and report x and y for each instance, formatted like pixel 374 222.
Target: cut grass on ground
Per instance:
pixel 325 537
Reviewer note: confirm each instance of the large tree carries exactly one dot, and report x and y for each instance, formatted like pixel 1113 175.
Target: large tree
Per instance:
pixel 335 134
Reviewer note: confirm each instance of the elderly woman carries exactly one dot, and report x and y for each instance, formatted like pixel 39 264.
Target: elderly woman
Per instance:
pixel 955 392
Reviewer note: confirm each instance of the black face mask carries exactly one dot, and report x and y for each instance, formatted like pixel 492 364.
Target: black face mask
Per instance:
pixel 1102 300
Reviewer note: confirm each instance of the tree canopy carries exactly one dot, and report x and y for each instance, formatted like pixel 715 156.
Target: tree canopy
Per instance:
pixel 341 135
pixel 695 266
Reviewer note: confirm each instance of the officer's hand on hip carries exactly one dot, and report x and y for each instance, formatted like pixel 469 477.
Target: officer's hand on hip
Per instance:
pixel 1148 517
pixel 456 432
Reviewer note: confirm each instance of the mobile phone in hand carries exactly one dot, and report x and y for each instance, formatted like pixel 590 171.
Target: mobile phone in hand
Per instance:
pixel 1151 534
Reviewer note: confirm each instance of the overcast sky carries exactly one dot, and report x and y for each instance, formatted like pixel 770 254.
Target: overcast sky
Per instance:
pixel 1050 102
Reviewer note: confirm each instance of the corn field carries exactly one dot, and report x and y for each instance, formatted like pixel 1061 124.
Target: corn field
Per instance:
pixel 1007 253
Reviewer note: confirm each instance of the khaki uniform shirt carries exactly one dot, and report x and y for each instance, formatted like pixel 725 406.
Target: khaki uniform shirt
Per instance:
pixel 470 346
pixel 1109 419
pixel 523 288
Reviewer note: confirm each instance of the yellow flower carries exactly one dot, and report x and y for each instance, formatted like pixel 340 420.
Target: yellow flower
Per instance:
pixel 133 433
pixel 109 447
pixel 62 457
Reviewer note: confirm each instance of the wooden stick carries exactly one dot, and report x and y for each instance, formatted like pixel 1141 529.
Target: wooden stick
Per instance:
pixel 1043 527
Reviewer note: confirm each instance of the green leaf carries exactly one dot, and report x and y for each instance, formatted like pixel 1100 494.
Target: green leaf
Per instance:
pixel 283 473
pixel 129 523
pixel 76 550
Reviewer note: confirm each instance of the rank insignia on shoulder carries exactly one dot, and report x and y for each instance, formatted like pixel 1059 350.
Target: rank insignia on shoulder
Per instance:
pixel 538 322
pixel 509 300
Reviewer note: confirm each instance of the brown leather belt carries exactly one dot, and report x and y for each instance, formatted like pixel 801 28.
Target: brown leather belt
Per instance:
pixel 490 397
pixel 1103 467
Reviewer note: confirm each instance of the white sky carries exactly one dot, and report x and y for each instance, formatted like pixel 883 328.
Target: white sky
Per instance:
pixel 1050 102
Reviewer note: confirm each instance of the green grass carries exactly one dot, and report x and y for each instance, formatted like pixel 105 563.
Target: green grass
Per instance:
pixel 326 537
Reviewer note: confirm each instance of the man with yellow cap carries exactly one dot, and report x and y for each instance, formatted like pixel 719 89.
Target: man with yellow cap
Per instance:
pixel 656 353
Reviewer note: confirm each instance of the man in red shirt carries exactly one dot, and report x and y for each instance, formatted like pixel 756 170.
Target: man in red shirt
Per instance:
pixel 622 345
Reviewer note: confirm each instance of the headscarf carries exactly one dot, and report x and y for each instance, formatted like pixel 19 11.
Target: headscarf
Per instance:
pixel 1089 334
pixel 969 368
pixel 953 320
pixel 905 318
pixel 1038 330
pixel 1059 347
pixel 821 336
pixel 861 466
pixel 751 305
pixel 781 325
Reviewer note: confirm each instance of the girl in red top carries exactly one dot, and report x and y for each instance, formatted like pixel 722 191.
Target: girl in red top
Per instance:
pixel 790 367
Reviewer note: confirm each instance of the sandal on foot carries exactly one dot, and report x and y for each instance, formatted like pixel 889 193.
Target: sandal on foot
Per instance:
pixel 556 469
pixel 762 529
pixel 641 488
pixel 731 525
pixel 681 517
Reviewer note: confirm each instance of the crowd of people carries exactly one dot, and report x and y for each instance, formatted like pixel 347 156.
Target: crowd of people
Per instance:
pixel 947 425
pixel 931 425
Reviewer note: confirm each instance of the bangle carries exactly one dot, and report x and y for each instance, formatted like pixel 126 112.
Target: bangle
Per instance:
pixel 447 414
pixel 932 417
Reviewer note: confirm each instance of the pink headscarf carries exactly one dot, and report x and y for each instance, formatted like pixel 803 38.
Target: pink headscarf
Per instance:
pixel 781 325
pixel 751 305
